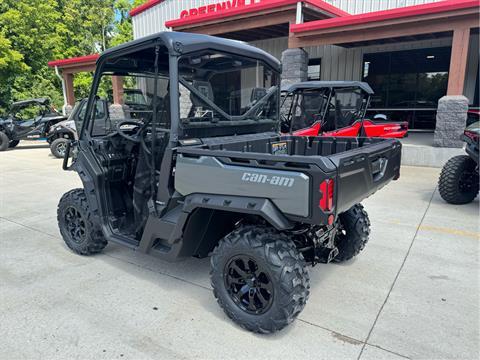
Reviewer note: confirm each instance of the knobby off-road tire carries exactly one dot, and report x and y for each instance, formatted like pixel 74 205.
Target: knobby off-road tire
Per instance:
pixel 277 285
pixel 353 232
pixel 13 143
pixel 58 147
pixel 4 141
pixel 458 182
pixel 78 225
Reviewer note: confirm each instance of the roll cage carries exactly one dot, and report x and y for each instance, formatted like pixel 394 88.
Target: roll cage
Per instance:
pixel 325 91
pixel 136 57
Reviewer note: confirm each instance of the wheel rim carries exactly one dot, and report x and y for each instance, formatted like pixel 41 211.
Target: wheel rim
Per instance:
pixel 75 225
pixel 467 181
pixel 248 284
pixel 61 147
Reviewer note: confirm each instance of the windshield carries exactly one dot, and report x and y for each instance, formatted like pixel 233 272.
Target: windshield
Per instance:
pixel 302 109
pixel 347 106
pixel 226 89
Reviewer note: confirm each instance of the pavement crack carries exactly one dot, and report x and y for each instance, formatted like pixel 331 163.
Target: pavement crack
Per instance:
pixel 349 339
pixel 29 227
pixel 365 343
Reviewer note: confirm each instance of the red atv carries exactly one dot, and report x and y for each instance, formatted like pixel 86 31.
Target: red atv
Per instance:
pixel 334 108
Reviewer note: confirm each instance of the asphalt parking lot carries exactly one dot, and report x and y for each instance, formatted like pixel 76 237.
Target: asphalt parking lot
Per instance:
pixel 412 293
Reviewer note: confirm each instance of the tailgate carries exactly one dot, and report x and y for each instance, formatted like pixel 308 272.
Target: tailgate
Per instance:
pixel 363 171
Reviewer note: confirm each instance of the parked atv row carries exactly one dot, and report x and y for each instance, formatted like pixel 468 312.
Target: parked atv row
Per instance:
pixel 27 120
pixel 326 108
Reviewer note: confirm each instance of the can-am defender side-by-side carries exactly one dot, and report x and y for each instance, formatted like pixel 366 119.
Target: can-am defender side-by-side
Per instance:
pixel 27 120
pixel 334 108
pixel 458 182
pixel 206 172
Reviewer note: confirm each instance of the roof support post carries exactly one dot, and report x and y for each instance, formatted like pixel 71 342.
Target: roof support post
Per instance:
pixel 64 93
pixel 69 91
pixel 458 61
pixel 299 17
pixel 117 89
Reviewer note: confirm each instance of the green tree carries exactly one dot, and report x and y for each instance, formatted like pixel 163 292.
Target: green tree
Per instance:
pixel 33 32
pixel 11 65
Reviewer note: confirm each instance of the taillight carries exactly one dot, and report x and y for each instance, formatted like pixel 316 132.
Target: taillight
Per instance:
pixel 326 189
pixel 472 135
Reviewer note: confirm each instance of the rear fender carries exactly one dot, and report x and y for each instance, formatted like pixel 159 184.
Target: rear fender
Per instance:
pixel 263 208
pixel 194 228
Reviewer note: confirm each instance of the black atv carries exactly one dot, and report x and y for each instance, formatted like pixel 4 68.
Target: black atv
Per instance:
pixel 27 120
pixel 65 131
pixel 206 172
pixel 458 182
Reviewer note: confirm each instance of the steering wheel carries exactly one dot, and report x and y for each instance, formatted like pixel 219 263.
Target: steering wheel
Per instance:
pixel 134 127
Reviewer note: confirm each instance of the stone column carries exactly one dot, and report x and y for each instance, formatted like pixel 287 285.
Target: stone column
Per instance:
pixel 117 112
pixel 451 121
pixel 294 66
pixel 67 109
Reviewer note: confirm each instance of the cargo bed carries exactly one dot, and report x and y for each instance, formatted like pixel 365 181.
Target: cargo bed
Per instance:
pixel 355 167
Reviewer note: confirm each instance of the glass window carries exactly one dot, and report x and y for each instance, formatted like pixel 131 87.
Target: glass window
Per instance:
pixel 314 69
pixel 408 83
pixel 475 102
pixel 217 87
pixel 307 107
pixel 346 106
pixel 135 102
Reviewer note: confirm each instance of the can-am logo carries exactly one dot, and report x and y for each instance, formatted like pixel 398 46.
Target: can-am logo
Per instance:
pixel 265 179
pixel 222 6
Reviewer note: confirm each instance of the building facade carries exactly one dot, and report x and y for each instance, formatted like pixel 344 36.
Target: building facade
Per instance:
pixel 410 69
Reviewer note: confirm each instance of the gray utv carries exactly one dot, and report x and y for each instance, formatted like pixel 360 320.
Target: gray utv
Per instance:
pixel 205 172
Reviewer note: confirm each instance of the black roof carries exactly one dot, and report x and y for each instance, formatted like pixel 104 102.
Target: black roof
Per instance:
pixel 182 42
pixel 42 101
pixel 328 84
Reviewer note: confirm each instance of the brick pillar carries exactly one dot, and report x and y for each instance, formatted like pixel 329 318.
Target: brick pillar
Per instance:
pixel 458 61
pixel 294 66
pixel 117 89
pixel 451 121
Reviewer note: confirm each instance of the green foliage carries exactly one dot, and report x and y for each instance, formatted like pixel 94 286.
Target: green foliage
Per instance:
pixel 34 32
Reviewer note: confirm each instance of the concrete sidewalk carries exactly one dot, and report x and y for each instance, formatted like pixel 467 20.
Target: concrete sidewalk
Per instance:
pixel 412 293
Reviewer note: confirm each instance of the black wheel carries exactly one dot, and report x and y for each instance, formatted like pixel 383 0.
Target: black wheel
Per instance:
pixel 4 141
pixel 458 182
pixel 13 143
pixel 259 278
pixel 78 225
pixel 352 233
pixel 58 147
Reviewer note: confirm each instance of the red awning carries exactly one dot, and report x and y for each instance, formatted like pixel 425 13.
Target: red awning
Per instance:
pixel 398 13
pixel 214 14
pixel 75 61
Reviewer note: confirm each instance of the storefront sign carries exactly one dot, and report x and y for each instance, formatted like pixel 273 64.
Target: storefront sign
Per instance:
pixel 220 7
